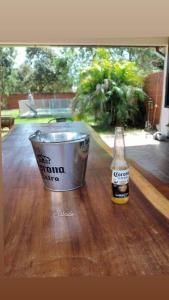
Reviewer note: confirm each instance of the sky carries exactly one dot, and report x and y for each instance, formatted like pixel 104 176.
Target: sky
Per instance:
pixel 21 55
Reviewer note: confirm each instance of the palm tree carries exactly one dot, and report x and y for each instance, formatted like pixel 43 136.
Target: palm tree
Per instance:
pixel 110 91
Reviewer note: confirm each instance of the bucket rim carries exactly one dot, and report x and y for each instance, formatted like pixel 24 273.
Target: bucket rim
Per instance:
pixel 82 137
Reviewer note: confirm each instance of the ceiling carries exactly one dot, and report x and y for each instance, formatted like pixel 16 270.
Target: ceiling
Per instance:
pixel 84 22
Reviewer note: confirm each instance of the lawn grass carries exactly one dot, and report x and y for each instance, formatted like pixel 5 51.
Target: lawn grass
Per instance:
pixel 89 119
pixel 18 120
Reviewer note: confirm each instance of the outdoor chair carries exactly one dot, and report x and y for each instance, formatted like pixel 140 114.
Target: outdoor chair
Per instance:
pixel 7 122
pixel 57 120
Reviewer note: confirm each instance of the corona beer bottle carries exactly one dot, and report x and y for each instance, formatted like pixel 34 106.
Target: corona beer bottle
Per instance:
pixel 120 170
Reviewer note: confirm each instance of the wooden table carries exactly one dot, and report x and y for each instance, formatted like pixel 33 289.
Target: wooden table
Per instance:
pixel 99 238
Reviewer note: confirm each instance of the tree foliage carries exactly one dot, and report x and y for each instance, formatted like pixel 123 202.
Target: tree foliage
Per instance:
pixel 147 59
pixel 7 56
pixel 108 80
pixel 111 91
pixel 50 72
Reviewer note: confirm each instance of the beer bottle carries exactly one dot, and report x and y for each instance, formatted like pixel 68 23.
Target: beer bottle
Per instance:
pixel 120 171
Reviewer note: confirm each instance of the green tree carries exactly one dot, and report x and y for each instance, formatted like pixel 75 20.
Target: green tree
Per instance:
pixel 7 59
pixel 111 91
pixel 21 79
pixel 79 58
pixel 24 78
pixel 50 72
pixel 147 59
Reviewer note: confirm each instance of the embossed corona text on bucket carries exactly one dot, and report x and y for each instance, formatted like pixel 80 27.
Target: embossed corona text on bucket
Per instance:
pixel 62 158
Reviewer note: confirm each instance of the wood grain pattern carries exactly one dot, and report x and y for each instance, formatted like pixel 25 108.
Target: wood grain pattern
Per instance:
pixel 160 185
pixel 152 194
pixel 153 158
pixel 101 238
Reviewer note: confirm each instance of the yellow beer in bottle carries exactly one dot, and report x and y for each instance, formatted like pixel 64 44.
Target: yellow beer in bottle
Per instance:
pixel 120 170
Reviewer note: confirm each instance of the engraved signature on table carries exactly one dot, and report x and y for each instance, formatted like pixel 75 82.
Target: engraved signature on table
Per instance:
pixel 62 213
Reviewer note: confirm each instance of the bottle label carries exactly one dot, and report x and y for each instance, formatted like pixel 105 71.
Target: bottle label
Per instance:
pixel 120 176
pixel 120 186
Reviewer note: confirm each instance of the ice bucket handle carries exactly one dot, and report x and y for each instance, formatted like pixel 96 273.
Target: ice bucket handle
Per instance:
pixel 85 144
pixel 35 134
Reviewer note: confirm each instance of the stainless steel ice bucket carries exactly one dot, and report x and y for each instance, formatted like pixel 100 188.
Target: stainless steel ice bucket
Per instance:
pixel 62 158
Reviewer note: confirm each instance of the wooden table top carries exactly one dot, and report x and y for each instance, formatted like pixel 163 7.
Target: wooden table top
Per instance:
pixel 99 238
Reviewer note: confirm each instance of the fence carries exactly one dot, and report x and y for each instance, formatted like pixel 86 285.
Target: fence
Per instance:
pixel 60 108
pixel 153 86
pixel 13 100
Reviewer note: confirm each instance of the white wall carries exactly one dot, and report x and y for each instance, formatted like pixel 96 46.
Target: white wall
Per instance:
pixel 164 120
